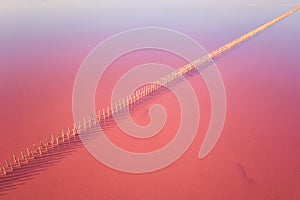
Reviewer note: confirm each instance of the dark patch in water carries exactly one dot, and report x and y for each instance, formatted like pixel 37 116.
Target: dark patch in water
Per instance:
pixel 244 173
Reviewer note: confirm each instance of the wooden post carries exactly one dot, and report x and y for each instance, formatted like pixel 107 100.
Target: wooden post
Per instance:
pixel 108 112
pixel 116 107
pixel 127 101
pixel 57 140
pixel 84 124
pixel 4 171
pixel 68 134
pixel 133 98
pixel 22 155
pixel 90 121
pixel 103 114
pixel 120 105
pixel 19 162
pixel 74 131
pixel 40 150
pixel 52 144
pixel 11 167
pixel 63 136
pixel 27 150
pixel 99 115
pixel 112 108
pixel 52 137
pixel 79 127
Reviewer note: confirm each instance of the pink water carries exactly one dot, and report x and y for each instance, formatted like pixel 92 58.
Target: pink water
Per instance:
pixel 257 154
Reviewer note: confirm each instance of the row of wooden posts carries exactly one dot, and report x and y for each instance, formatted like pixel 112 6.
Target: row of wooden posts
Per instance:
pixel 37 151
pixel 52 142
